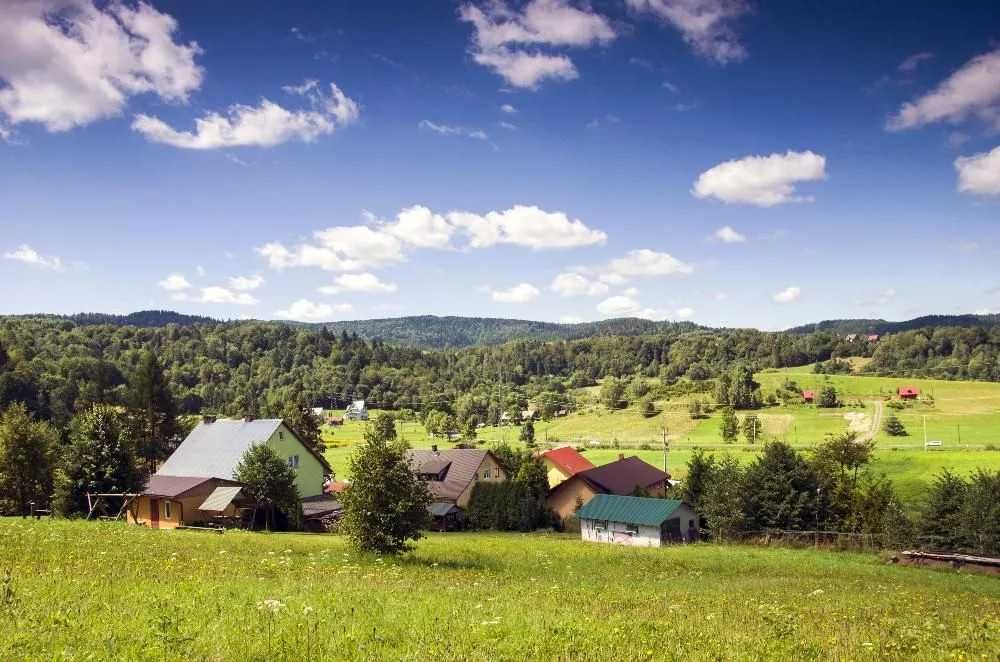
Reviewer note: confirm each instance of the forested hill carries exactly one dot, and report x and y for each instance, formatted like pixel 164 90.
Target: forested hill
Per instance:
pixel 883 327
pixel 142 318
pixel 439 332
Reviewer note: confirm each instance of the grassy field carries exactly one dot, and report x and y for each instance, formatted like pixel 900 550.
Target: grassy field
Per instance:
pixel 107 591
pixel 965 416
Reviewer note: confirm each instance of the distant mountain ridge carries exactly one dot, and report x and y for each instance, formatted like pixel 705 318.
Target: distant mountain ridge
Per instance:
pixel 434 332
pixel 882 327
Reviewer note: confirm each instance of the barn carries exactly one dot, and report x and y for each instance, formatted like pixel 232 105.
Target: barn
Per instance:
pixel 637 521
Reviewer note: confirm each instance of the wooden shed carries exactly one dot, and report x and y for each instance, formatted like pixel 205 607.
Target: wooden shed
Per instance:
pixel 637 521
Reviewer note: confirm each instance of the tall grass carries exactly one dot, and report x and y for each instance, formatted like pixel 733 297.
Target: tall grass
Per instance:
pixel 105 591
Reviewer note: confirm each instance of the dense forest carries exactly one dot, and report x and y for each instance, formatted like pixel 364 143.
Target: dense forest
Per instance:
pixel 58 367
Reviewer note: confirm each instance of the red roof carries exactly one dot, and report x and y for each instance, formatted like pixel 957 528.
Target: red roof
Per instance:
pixel 808 395
pixel 908 390
pixel 568 459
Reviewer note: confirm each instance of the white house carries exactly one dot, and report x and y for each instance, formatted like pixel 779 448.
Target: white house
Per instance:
pixel 637 521
pixel 356 411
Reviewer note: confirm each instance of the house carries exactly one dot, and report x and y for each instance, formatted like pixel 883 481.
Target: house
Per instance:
pixel 873 337
pixel 808 396
pixel 356 411
pixel 529 414
pixel 623 477
pixel 564 463
pixel 451 476
pixel 317 411
pixel 851 337
pixel 335 420
pixel 637 521
pixel 908 392
pixel 195 485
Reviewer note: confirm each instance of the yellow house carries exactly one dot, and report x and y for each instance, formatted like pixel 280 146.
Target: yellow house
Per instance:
pixel 196 482
pixel 564 463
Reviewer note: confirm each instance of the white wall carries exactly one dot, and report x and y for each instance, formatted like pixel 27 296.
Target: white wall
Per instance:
pixel 619 533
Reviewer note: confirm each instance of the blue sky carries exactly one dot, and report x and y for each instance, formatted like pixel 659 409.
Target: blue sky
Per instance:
pixel 731 163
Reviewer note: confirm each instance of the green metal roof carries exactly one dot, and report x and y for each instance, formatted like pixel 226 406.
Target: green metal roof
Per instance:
pixel 629 510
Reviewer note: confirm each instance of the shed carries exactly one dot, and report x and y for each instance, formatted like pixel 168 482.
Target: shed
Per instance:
pixel 808 396
pixel 637 521
pixel 908 392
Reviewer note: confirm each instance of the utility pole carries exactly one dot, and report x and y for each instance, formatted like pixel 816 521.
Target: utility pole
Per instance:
pixel 925 431
pixel 666 447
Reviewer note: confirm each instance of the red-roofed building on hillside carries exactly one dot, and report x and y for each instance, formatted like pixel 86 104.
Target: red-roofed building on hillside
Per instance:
pixel 808 396
pixel 564 463
pixel 874 337
pixel 908 392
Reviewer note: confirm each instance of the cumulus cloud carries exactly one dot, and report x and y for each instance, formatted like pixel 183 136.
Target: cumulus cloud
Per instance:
pixel 367 283
pixel 66 64
pixel 972 91
pixel 28 255
pixel 618 306
pixel 246 283
pixel 520 293
pixel 507 108
pixel 979 173
pixel 448 130
pixel 304 310
pixel 362 247
pixel 763 181
pixel 264 125
pixel 503 35
pixel 643 263
pixel 175 283
pixel 787 295
pixel 218 294
pixel 684 313
pixel 727 235
pixel 706 25
pixel 571 284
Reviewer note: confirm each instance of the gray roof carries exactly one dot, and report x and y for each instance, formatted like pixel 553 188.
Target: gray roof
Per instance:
pixel 464 463
pixel 220 498
pixel 214 449
pixel 171 486
pixel 320 505
pixel 442 508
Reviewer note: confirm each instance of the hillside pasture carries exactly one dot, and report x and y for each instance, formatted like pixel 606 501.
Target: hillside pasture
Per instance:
pixel 108 591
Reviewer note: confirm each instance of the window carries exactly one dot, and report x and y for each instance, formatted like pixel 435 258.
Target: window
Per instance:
pixel 166 510
pixel 281 434
pixel 293 461
pixel 632 528
pixel 486 475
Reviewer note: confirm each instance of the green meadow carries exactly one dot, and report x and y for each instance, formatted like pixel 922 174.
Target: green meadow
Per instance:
pixel 108 591
pixel 964 416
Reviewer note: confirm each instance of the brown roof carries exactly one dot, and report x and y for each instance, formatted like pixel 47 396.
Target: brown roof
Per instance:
pixel 622 477
pixel 171 486
pixel 464 463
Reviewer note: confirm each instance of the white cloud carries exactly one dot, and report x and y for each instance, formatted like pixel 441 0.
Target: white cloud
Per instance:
pixel 618 306
pixel 910 64
pixel 265 125
pixel 528 226
pixel 217 294
pixel 361 247
pixel 706 25
pixel 502 125
pixel 643 263
pixel 66 64
pixel 727 235
pixel 246 283
pixel 787 295
pixel 367 283
pixel 448 130
pixel 971 91
pixel 419 226
pixel 631 292
pixel 509 109
pixel 500 34
pixel 979 173
pixel 684 313
pixel 28 255
pixel 571 284
pixel 175 283
pixel 304 310
pixel 764 181
pixel 520 293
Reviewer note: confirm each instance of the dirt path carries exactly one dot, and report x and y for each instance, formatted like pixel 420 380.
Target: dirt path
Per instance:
pixel 876 422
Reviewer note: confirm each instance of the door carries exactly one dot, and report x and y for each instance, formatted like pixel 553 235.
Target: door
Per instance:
pixel 154 513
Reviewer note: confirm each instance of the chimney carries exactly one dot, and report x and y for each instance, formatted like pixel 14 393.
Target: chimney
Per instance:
pixel 621 456
pixel 208 418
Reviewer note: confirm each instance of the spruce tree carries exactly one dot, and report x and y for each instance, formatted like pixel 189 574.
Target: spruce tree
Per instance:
pixel 153 412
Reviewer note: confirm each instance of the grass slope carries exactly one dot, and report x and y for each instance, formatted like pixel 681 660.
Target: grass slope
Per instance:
pixel 106 591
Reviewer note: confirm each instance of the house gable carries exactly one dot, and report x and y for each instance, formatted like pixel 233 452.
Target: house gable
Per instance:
pixel 309 469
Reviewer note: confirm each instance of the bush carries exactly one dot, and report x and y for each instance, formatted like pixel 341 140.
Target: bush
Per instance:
pixel 894 427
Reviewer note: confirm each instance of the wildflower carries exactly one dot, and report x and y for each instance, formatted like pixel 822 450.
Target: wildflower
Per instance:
pixel 818 591
pixel 271 605
pixel 307 610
